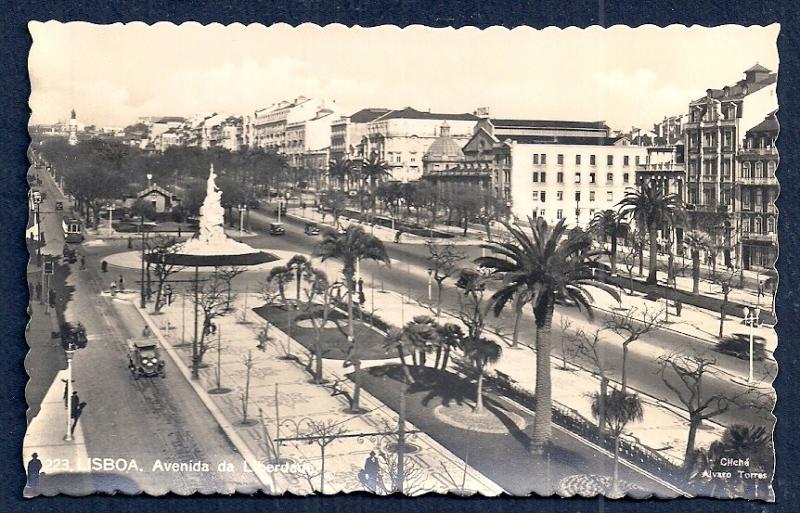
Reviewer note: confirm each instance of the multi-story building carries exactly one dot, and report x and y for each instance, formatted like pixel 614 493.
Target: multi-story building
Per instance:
pixel 715 127
pixel 401 138
pixel 756 190
pixel 664 166
pixel 269 125
pixel 349 134
pixel 308 135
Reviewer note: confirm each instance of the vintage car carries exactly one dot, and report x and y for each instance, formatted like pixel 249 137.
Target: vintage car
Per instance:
pixel 144 358
pixel 311 229
pixel 69 253
pixel 277 229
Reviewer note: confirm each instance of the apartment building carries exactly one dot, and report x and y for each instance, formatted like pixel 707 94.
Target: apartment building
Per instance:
pixel 349 134
pixel 756 191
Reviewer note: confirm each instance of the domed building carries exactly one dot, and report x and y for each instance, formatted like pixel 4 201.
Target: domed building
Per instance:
pixel 443 154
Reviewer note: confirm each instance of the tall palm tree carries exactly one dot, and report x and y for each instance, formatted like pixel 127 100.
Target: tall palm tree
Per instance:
pixel 350 247
pixel 608 223
pixel 396 340
pixel 451 336
pixel 652 209
pixel 543 266
pixel 340 171
pixel 373 171
pixel 696 241
pixel 297 264
pixel 480 353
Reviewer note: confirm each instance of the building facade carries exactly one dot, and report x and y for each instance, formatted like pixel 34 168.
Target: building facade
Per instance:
pixel 714 132
pixel 349 134
pixel 401 138
pixel 756 191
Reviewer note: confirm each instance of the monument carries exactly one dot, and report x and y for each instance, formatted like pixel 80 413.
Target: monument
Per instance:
pixel 211 246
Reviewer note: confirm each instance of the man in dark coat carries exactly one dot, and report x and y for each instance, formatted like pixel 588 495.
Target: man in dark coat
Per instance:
pixel 34 468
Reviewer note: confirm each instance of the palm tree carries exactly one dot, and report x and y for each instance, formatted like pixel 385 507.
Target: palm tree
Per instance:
pixel 350 247
pixel 696 241
pixel 424 337
pixel 543 267
pixel 608 223
pixel 451 336
pixel 652 209
pixel 621 408
pixel 340 171
pixel 396 340
pixel 374 170
pixel 480 353
pixel 281 276
pixel 297 264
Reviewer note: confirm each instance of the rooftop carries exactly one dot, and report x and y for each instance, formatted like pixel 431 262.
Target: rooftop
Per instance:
pixel 411 113
pixel 543 123
pixel 578 141
pixel 770 124
pixel 367 115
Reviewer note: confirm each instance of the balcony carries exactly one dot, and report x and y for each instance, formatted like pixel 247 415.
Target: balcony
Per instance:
pixel 758 151
pixel 750 180
pixel 760 237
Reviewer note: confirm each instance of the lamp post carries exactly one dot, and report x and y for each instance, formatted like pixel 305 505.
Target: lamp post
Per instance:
pixel 38 200
pixel 149 178
pixel 242 209
pixel 430 284
pixel 70 352
pixel 142 291
pixel 751 316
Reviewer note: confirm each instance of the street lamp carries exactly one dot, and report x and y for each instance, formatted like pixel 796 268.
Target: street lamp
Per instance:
pixel 70 352
pixel 430 283
pixel 149 177
pixel 143 293
pixel 751 316
pixel 242 209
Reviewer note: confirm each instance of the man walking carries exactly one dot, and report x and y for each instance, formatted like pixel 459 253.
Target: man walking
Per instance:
pixel 121 283
pixel 34 468
pixel 77 409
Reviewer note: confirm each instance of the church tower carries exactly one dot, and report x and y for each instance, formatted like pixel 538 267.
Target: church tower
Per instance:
pixel 73 129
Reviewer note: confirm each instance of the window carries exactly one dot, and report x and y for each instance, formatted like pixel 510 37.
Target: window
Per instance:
pixel 610 196
pixel 535 176
pixel 770 225
pixel 577 196
pixel 560 159
pixel 542 176
pixel 746 200
pixel 535 159
pixel 759 170
pixel 626 177
pixel 592 160
pixel 592 178
pixel 577 178
pixel 542 196
pixel 535 195
pixel 591 212
pixel 626 160
pixel 610 160
pixel 559 214
pixel 591 195
pixel 609 178
pixel 560 195
pixel 745 170
pixel 543 158
pixel 560 177
pixel 541 213
pixel 771 169
pixel 637 160
pixel 757 201
pixel 577 160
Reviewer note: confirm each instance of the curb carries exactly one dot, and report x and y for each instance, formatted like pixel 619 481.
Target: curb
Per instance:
pixel 244 451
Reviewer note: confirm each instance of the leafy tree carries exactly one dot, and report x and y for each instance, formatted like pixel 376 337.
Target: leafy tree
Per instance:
pixel 608 224
pixel 543 266
pixel 696 241
pixel 621 408
pixel 423 336
pixel 374 170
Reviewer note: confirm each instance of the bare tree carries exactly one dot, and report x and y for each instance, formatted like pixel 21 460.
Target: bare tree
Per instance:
pixel 211 299
pixel 319 300
pixel 564 323
pixel 630 327
pixel 590 347
pixel 413 478
pixel 691 369
pixel 159 251
pixel 324 433
pixel 248 362
pixel 725 281
pixel 443 260
pixel 227 274
pixel 472 308
pixel 629 261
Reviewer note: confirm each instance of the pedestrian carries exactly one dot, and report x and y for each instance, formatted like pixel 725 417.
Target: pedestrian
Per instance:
pixel 83 262
pixel 146 331
pixel 168 293
pixel 39 291
pixel 130 243
pixel 77 410
pixel 51 298
pixel 121 283
pixel 397 236
pixel 104 266
pixel 66 390
pixel 371 471
pixel 34 468
pixel 113 288
pixel 678 308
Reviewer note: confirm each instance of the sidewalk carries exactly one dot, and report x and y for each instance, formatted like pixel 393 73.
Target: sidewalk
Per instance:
pixel 281 389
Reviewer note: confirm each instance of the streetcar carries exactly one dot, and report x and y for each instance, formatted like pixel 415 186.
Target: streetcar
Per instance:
pixel 73 230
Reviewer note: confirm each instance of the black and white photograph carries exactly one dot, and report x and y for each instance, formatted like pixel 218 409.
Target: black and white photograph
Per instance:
pixel 323 259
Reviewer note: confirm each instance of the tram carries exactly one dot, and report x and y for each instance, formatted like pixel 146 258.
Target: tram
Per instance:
pixel 73 230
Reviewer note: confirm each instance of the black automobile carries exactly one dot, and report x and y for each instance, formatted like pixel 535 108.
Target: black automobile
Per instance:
pixel 277 229
pixel 311 229
pixel 144 359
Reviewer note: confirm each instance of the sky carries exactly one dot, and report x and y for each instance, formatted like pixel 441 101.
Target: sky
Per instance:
pixel 112 74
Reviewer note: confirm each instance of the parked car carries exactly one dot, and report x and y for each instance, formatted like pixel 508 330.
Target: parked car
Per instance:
pixel 277 229
pixel 311 229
